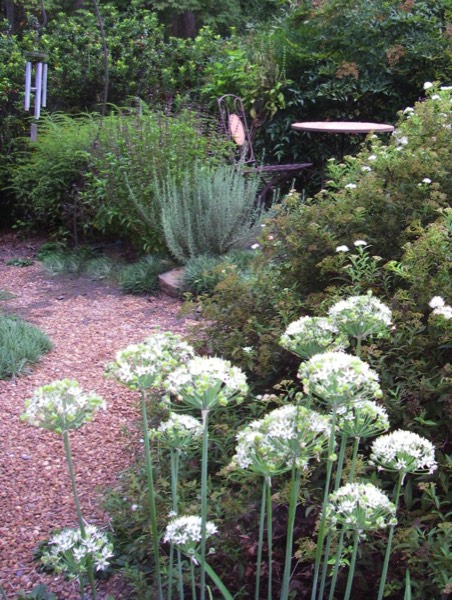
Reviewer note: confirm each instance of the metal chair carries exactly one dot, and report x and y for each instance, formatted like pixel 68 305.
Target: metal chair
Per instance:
pixel 233 120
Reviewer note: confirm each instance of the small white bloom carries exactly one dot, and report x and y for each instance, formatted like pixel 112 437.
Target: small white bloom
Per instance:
pixel 408 110
pixel 350 186
pixel 428 85
pixel 342 249
pixel 366 169
pixel 255 246
pixel 185 532
pixel 444 311
pixel 403 451
pixel 372 157
pixel 446 88
pixel 436 302
pixel 360 243
pixel 426 180
pixel 436 97
pixel 403 140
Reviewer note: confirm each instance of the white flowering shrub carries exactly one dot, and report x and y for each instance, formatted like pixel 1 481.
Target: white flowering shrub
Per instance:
pixel 361 316
pixel 336 378
pixel 363 419
pixel 403 452
pixel 145 365
pixel 178 432
pixel 185 533
pixel 360 507
pixel 312 335
pixel 71 553
pixel 61 405
pixel 205 383
pixel 286 436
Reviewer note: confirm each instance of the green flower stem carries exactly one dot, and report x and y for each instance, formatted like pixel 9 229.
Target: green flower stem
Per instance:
pixel 193 581
pixel 351 572
pixel 337 482
pixel 205 445
pixel 261 538
pixel 81 583
pixel 152 508
pixel 341 539
pixel 67 448
pixel 269 536
pixel 321 534
pixel 217 581
pixel 358 346
pixel 384 574
pixel 174 457
pixel 294 492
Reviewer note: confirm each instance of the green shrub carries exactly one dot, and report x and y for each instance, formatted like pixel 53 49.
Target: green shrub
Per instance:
pixel 142 277
pixel 203 273
pixel 209 212
pixel 21 344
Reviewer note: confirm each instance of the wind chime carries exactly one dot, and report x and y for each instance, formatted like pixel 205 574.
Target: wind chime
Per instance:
pixel 36 72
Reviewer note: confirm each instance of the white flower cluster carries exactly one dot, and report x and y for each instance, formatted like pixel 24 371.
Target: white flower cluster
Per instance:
pixel 311 335
pixel 403 451
pixel 205 383
pixel 61 405
pixel 185 533
pixel 287 435
pixel 179 431
pixel 360 507
pixel 337 378
pixel 440 308
pixel 145 365
pixel 361 316
pixel 69 552
pixel 363 419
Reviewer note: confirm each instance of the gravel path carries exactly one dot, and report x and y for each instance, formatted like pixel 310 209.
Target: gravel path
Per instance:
pixel 87 322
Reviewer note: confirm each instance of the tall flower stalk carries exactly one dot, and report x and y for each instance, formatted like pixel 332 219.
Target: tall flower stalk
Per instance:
pixel 61 406
pixel 144 366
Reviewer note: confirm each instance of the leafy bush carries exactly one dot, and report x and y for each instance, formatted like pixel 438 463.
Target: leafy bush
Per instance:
pixel 21 344
pixel 209 212
pixel 203 273
pixel 142 277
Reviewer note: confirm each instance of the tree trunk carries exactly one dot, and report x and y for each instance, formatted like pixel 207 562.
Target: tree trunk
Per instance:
pixel 10 13
pixel 184 25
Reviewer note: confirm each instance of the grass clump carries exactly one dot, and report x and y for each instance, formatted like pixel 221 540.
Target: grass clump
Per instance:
pixel 203 273
pixel 21 344
pixel 141 277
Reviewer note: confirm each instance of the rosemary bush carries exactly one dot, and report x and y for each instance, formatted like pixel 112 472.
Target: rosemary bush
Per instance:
pixel 211 211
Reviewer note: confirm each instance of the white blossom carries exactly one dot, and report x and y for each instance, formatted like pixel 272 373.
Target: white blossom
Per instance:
pixel 70 552
pixel 61 405
pixel 360 507
pixel 435 97
pixel 205 383
pixel 358 243
pixel 428 85
pixel 255 246
pixel 342 248
pixel 372 157
pixel 403 451
pixel 363 419
pixel 311 335
pixel 443 311
pixel 366 169
pixel 185 533
pixel 408 110
pixel 179 431
pixel 436 302
pixel 361 316
pixel 350 186
pixel 145 365
pixel 337 378
pixel 426 180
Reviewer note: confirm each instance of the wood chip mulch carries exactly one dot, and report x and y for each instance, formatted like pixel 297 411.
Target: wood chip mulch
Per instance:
pixel 87 322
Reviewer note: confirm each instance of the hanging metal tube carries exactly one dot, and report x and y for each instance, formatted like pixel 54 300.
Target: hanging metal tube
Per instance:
pixel 44 85
pixel 27 85
pixel 38 87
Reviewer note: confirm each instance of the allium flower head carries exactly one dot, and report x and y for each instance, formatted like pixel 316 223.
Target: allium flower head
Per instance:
pixel 342 248
pixel 61 405
pixel 436 302
pixel 360 507
pixel 403 451
pixel 286 436
pixel 361 316
pixel 337 378
pixel 363 419
pixel 145 365
pixel 205 383
pixel 358 243
pixel 185 533
pixel 70 553
pixel 312 335
pixel 179 431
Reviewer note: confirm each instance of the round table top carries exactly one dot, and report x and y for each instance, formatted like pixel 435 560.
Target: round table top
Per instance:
pixel 343 127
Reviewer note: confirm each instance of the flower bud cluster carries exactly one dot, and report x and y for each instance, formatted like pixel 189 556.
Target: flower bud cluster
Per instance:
pixel 185 533
pixel 363 419
pixel 311 335
pixel 69 552
pixel 205 383
pixel 360 507
pixel 61 405
pixel 145 365
pixel 337 378
pixel 286 436
pixel 178 432
pixel 403 451
pixel 361 316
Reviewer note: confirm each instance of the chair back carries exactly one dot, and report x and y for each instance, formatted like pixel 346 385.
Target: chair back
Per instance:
pixel 233 120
